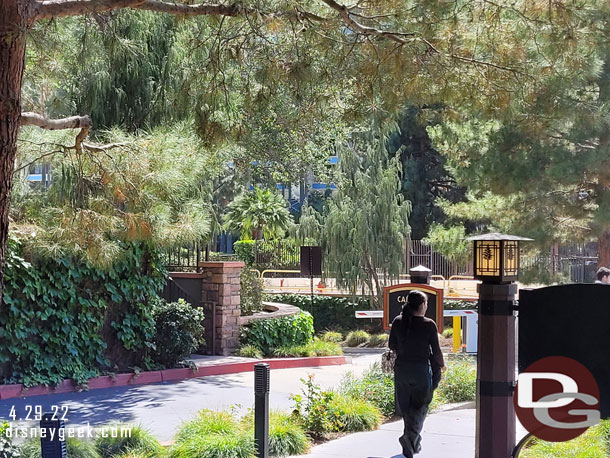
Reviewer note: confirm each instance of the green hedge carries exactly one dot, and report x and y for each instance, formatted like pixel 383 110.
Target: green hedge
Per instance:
pixel 336 313
pixel 179 331
pixel 272 333
pixel 62 318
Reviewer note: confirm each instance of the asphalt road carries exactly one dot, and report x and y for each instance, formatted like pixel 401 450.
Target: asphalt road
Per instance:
pixel 162 407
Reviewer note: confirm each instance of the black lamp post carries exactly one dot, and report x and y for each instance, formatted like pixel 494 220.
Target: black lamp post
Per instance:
pixel 496 264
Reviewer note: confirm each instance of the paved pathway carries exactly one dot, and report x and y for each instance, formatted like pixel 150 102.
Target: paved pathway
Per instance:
pixel 162 407
pixel 447 434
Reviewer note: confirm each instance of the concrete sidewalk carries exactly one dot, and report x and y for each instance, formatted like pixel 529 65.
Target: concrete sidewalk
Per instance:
pixel 450 433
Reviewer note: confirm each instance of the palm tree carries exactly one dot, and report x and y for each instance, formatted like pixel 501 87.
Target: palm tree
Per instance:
pixel 258 214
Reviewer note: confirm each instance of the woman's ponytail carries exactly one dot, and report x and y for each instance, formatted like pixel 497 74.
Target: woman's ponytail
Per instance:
pixel 414 301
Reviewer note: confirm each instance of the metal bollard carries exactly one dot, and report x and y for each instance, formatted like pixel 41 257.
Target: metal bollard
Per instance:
pixel 53 442
pixel 261 409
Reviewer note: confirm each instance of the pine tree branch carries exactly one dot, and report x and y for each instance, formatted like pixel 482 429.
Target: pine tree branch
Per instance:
pixel 399 37
pixel 195 10
pixel 346 15
pixel 48 9
pixel 74 122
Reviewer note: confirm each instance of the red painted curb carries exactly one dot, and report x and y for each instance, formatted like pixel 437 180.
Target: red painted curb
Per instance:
pixel 10 391
pixel 169 375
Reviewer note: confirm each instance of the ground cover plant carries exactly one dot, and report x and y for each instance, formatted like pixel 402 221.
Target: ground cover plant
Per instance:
pixel 374 385
pixel 286 436
pixel 139 441
pixel 212 435
pixel 323 412
pixel 215 434
pixel 249 351
pixel 317 347
pixel 458 382
pixel 356 338
pixel 378 340
pixel 594 443
pixel 332 336
pixel 76 449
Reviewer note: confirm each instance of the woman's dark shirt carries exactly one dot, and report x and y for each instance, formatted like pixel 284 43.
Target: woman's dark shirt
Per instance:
pixel 419 346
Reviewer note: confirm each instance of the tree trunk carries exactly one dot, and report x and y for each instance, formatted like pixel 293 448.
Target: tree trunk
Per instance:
pixel 13 26
pixel 604 249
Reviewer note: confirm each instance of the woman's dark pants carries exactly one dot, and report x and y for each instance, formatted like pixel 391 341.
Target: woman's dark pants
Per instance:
pixel 414 392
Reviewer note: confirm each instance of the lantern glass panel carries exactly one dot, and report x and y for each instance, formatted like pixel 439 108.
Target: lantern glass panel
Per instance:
pixel 511 258
pixel 488 258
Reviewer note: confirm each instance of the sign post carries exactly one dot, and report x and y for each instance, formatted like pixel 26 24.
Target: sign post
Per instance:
pixel 311 264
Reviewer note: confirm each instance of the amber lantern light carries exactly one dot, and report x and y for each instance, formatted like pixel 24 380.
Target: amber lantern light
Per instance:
pixel 496 257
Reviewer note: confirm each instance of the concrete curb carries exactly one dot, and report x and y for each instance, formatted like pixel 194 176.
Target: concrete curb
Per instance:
pixel 169 375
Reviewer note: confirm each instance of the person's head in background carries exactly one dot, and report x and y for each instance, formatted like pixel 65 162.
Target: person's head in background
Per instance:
pixel 603 275
pixel 417 304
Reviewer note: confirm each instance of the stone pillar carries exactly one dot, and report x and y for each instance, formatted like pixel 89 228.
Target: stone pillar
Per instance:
pixel 220 296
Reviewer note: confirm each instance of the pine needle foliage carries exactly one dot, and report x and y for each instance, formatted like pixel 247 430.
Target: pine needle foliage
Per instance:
pixel 153 188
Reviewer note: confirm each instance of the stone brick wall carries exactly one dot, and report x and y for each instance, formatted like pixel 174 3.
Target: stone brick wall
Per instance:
pixel 221 293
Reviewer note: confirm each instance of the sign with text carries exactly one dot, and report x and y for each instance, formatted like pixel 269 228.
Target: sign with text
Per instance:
pixel 394 297
pixel 569 321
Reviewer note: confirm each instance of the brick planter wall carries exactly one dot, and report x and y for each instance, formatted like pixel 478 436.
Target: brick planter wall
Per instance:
pixel 221 292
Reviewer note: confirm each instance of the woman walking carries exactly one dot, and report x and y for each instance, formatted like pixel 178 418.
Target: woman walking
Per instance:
pixel 417 371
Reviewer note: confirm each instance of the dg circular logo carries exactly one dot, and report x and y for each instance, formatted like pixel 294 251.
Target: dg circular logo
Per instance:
pixel 557 399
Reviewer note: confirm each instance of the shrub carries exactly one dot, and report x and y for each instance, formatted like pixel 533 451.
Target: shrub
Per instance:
pixel 212 435
pixel 312 409
pixel 316 348
pixel 235 445
pixel 332 312
pixel 251 295
pixel 355 414
pixel 207 422
pixel 459 382
pixel 244 249
pixel 75 448
pixel 139 440
pixel 448 333
pixel 374 385
pixel 456 304
pixel 286 436
pixel 7 448
pixel 322 412
pixel 378 340
pixel 178 331
pixel 332 336
pixel 272 333
pixel 249 351
pixel 356 338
